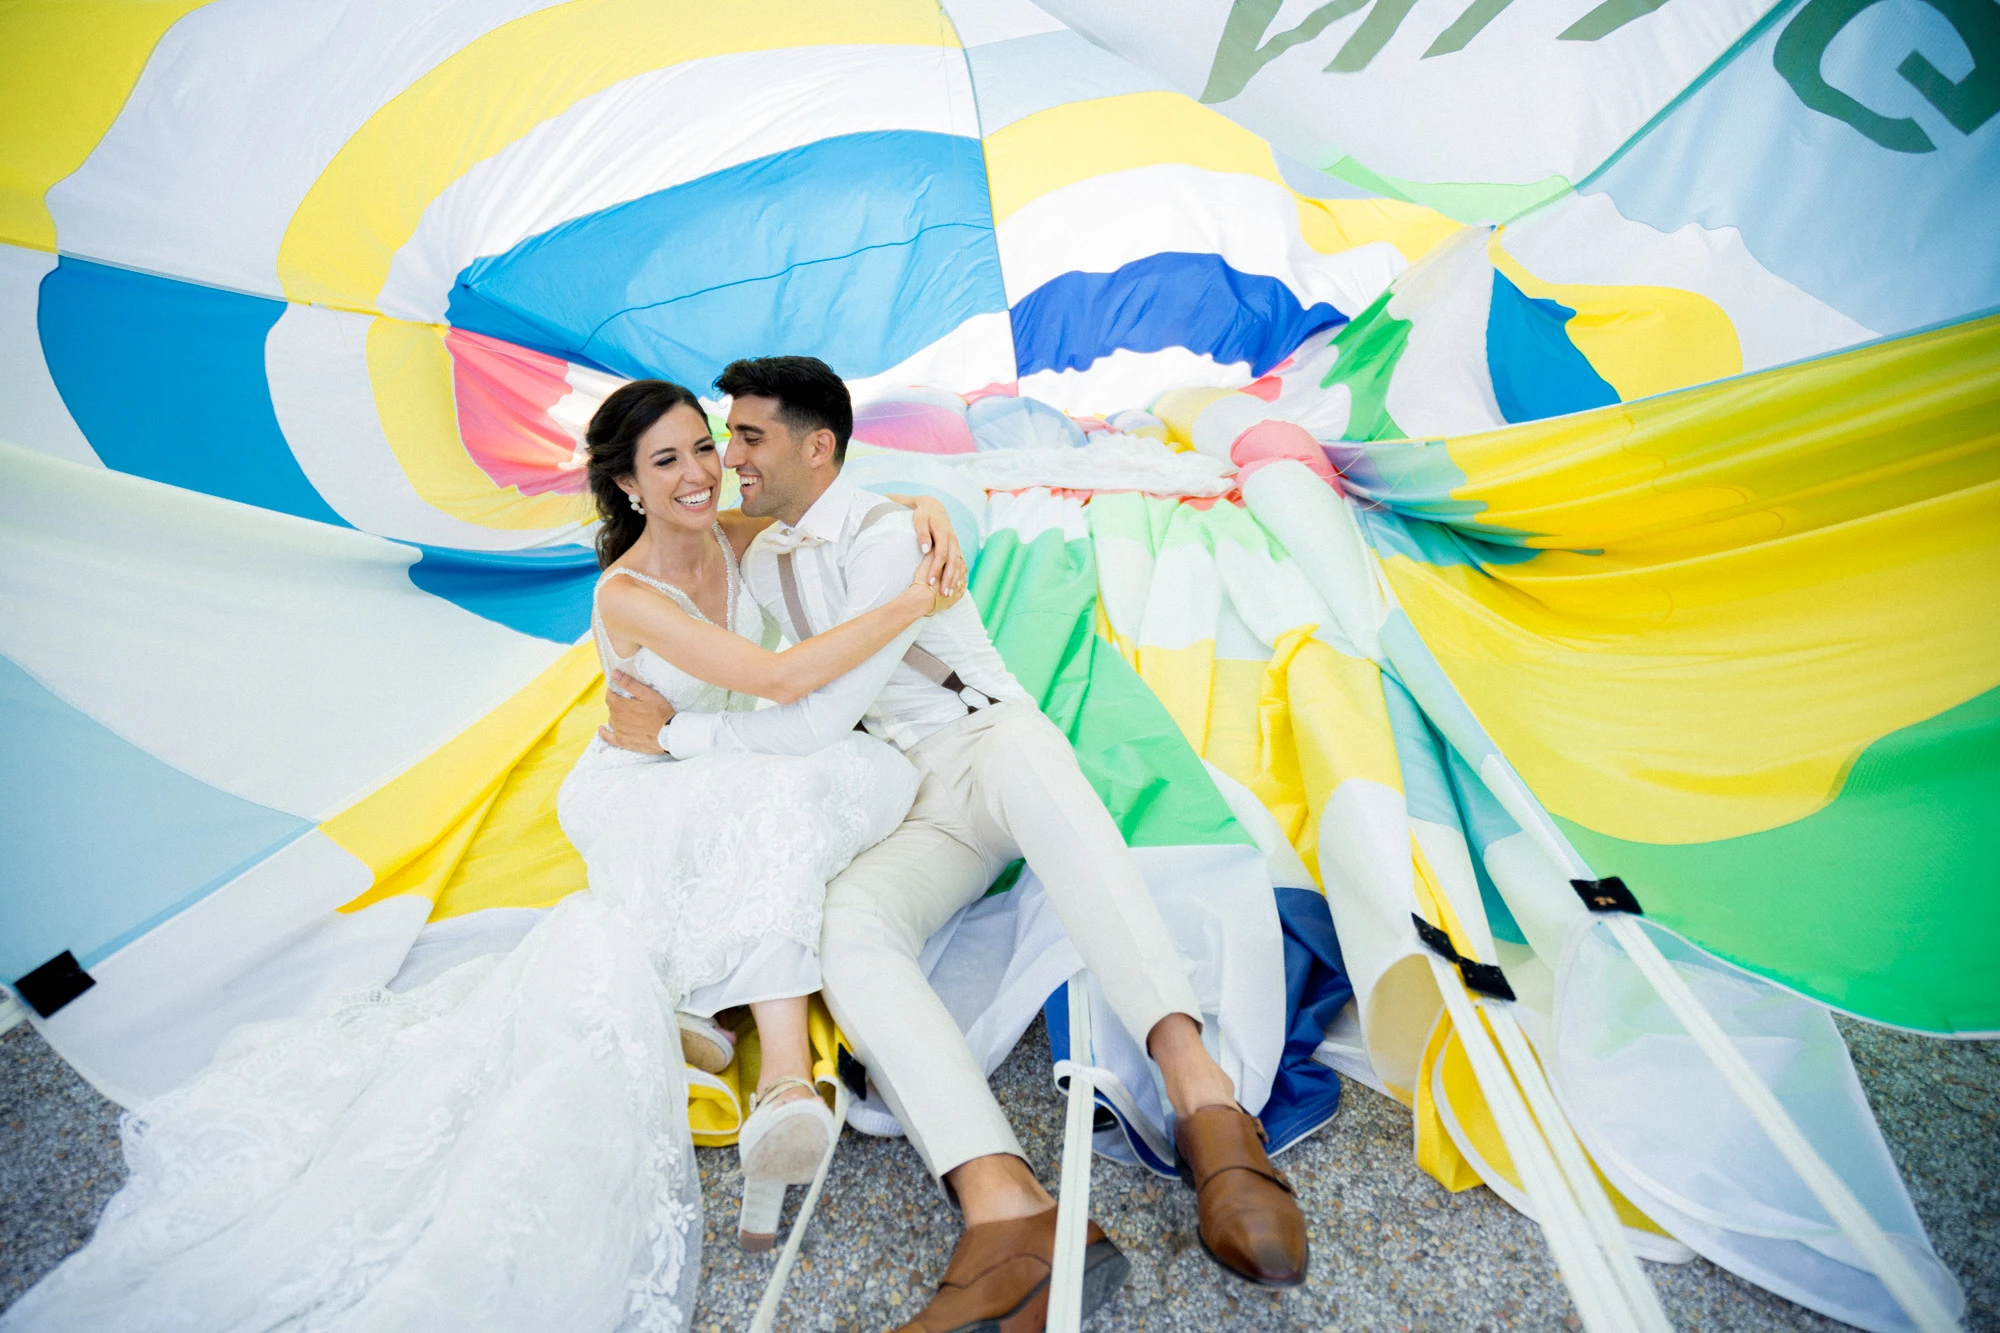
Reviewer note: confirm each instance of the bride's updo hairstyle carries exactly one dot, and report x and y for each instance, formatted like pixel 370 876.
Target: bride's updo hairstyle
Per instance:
pixel 612 443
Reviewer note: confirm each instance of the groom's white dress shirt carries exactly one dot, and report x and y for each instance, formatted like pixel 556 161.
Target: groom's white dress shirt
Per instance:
pixel 994 784
pixel 844 570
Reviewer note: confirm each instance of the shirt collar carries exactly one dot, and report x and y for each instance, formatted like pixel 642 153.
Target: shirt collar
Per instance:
pixel 826 520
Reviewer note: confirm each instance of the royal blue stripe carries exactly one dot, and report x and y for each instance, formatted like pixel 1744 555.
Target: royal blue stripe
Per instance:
pixel 1196 301
pixel 99 839
pixel 166 380
pixel 1537 371
pixel 860 249
pixel 1305 1093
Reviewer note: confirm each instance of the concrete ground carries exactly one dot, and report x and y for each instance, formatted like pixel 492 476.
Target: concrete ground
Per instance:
pixel 1391 1249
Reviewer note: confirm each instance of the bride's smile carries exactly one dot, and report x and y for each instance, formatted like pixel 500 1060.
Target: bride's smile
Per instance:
pixel 678 472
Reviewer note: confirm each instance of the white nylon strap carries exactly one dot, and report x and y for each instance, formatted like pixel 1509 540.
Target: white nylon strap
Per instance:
pixel 774 1290
pixel 1579 1259
pixel 1643 1303
pixel 1073 1203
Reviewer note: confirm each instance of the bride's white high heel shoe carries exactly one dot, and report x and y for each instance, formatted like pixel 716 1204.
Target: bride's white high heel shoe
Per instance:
pixel 779 1146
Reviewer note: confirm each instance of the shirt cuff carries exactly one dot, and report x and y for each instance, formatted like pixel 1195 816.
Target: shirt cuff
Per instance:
pixel 689 734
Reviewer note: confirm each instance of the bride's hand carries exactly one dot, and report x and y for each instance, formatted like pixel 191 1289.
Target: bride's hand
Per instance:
pixel 933 574
pixel 935 536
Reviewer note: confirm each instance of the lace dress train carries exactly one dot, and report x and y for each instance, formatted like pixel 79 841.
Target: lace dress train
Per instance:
pixel 506 1146
pixel 503 1148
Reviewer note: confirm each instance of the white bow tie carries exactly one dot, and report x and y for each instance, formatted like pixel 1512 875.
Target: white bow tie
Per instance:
pixel 781 538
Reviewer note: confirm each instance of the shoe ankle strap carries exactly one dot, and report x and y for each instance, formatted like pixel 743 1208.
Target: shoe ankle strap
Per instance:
pixel 757 1099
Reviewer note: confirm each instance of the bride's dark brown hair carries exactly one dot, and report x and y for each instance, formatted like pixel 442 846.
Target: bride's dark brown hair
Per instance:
pixel 611 442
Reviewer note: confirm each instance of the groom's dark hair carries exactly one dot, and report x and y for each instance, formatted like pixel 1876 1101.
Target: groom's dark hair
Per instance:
pixel 809 395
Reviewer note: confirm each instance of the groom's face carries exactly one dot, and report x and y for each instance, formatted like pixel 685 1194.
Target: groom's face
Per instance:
pixel 774 464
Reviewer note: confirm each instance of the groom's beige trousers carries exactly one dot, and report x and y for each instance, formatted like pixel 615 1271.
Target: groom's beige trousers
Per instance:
pixel 1001 784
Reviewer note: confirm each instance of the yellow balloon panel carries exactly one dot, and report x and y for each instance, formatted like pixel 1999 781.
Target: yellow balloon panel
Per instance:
pixel 1789 568
pixel 55 104
pixel 367 204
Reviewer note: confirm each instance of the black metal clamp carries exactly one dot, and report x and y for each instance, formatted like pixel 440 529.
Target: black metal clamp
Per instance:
pixel 851 1071
pixel 1481 978
pixel 54 984
pixel 1606 895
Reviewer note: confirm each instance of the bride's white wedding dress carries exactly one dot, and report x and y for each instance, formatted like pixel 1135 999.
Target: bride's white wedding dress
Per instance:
pixel 506 1146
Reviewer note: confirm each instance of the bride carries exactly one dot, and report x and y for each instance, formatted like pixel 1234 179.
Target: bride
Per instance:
pixel 506 1146
pixel 730 852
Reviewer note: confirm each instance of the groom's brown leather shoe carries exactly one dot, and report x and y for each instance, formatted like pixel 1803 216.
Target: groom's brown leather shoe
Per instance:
pixel 1250 1223
pixel 998 1279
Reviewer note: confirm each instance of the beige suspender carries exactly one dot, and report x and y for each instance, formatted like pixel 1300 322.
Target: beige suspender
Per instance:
pixel 921 660
pixel 796 609
pixel 788 581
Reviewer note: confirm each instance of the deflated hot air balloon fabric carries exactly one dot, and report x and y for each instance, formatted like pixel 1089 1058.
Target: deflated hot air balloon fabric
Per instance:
pixel 1421 457
pixel 1148 243
pixel 381 285
pixel 1801 176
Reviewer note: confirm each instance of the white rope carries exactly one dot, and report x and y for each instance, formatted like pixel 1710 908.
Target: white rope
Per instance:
pixel 1579 1259
pixel 1073 1203
pixel 1642 1303
pixel 774 1289
pixel 1854 1221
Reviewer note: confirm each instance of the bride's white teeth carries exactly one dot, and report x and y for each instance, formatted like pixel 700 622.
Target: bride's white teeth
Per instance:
pixel 695 501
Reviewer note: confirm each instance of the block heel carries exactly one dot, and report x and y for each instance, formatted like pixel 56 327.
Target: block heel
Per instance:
pixel 763 1202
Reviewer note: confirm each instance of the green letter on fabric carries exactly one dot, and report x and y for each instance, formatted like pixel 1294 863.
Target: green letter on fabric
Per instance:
pixel 1466 26
pixel 1606 19
pixel 1967 104
pixel 1238 57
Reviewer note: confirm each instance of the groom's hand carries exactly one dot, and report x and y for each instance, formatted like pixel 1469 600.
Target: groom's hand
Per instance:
pixel 637 714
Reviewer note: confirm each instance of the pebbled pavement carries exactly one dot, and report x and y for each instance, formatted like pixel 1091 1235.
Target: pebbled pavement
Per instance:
pixel 1391 1249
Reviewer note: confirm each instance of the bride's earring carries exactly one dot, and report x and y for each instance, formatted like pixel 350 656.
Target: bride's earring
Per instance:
pixel 633 500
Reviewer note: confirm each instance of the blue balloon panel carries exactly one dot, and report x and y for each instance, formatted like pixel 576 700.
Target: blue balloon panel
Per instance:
pixel 1831 104
pixel 545 593
pixel 1537 371
pixel 100 841
pixel 166 379
pixel 1196 301
pixel 861 250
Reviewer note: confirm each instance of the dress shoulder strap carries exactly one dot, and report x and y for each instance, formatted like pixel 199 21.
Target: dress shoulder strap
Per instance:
pixel 680 599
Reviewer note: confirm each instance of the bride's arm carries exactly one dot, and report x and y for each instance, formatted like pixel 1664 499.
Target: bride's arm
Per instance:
pixel 635 613
pixel 932 523
pixel 741 529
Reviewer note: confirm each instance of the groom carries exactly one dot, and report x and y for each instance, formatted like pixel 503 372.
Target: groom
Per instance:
pixel 998 781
